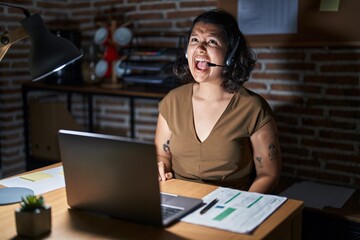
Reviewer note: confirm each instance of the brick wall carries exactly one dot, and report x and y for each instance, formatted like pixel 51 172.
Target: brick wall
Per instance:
pixel 314 91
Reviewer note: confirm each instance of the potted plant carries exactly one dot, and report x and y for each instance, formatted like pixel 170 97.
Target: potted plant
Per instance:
pixel 33 218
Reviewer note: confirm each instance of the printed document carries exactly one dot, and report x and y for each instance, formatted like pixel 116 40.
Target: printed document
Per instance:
pixel 268 17
pixel 236 211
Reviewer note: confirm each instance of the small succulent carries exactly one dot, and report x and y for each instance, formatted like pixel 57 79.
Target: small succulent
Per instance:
pixel 31 203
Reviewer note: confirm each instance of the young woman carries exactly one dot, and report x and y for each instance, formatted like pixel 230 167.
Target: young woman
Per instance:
pixel 212 129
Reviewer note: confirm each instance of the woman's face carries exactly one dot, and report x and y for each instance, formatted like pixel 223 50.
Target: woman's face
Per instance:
pixel 206 44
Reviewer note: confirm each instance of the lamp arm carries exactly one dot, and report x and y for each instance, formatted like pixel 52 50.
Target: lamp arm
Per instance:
pixel 9 38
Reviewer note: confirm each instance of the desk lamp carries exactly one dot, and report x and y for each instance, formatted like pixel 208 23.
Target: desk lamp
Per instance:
pixel 49 53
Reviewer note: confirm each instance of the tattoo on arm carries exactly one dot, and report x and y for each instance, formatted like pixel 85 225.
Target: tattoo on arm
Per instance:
pixel 259 161
pixel 166 146
pixel 272 152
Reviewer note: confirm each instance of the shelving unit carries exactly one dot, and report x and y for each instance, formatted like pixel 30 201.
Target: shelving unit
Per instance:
pixel 149 65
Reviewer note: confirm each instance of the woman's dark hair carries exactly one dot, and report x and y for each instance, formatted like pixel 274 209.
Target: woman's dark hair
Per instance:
pixel 243 62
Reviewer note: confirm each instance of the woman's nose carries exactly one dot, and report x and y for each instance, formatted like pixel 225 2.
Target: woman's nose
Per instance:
pixel 201 47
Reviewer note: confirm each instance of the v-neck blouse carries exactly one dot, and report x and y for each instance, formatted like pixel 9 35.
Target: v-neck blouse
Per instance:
pixel 225 157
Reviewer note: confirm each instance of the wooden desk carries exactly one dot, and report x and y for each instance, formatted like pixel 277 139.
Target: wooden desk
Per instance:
pixel 285 223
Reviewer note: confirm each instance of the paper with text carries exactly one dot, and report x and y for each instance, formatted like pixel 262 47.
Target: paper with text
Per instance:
pixel 236 211
pixel 268 17
pixel 40 182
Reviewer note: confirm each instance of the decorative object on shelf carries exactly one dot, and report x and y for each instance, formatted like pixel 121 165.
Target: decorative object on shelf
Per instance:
pixel 33 219
pixel 111 37
pixel 122 36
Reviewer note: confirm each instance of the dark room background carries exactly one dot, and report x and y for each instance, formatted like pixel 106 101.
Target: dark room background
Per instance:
pixel 313 90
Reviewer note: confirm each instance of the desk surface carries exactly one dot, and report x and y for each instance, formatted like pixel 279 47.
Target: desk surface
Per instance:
pixel 285 223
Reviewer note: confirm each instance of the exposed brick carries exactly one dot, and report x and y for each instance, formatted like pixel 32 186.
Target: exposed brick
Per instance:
pixel 350 92
pixel 196 4
pixel 332 79
pixel 284 98
pixel 320 175
pixel 287 171
pixel 316 143
pixel 328 123
pixel 255 86
pixel 297 88
pixel 345 114
pixel 285 119
pixel 331 156
pixel 297 161
pixel 184 24
pixel 288 109
pixel 291 66
pixel 353 136
pixel 295 130
pixel 332 102
pixel 139 1
pixel 155 25
pixel 52 5
pixel 146 131
pixel 111 119
pixel 335 56
pixel 157 6
pixel 299 152
pixel 341 68
pixel 183 14
pixel 287 139
pixel 145 16
pixel 282 56
pixel 107 3
pixel 276 76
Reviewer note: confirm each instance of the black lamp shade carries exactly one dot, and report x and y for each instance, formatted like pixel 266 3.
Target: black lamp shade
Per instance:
pixel 48 51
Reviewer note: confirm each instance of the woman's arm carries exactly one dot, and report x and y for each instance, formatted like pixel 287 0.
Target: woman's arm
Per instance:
pixel 267 158
pixel 162 139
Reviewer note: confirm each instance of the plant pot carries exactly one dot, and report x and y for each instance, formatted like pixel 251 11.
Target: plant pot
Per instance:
pixel 33 224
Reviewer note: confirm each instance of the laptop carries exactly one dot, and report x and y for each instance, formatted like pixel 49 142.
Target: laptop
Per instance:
pixel 118 177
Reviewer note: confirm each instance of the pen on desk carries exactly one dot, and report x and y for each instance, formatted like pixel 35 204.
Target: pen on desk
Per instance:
pixel 210 205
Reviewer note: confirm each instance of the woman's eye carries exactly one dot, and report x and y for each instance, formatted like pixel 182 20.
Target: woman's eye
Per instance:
pixel 214 42
pixel 193 40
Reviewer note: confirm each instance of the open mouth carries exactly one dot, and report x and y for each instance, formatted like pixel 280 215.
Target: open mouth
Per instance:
pixel 201 64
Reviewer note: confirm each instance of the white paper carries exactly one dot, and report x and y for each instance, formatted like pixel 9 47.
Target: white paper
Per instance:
pixel 268 17
pixel 39 187
pixel 236 211
pixel 318 195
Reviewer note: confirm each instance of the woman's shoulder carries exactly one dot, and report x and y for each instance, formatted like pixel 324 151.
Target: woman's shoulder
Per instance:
pixel 181 90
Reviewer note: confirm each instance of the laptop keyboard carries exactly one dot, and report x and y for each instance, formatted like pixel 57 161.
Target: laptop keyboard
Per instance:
pixel 168 211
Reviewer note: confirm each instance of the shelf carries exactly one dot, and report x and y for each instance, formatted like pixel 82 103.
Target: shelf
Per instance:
pixel 145 65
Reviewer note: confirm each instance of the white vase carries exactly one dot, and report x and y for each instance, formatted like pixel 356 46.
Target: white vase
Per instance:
pixel 33 223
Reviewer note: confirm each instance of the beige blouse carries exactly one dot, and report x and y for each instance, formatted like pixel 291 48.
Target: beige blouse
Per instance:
pixel 225 157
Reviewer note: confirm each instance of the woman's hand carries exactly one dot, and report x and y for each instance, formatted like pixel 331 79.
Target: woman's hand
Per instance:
pixel 163 174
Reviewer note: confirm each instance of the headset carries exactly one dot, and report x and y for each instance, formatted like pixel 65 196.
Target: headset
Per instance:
pixel 230 58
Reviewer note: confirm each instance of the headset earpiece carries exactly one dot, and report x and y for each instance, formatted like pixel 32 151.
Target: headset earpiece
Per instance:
pixel 229 59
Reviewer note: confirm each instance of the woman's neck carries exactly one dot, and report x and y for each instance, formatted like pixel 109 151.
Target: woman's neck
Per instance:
pixel 210 92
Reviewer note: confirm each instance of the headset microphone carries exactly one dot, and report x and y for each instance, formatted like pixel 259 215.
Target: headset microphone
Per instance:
pixel 230 58
pixel 215 65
